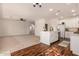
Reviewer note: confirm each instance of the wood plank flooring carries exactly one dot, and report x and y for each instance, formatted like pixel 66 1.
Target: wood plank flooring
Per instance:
pixel 31 51
pixel 37 50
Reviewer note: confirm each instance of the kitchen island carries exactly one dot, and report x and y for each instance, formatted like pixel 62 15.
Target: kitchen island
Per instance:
pixel 48 37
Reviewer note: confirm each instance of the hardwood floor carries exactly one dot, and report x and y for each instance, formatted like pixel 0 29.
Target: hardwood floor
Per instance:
pixel 31 51
pixel 40 50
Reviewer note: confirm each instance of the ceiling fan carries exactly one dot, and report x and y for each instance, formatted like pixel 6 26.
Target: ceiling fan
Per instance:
pixel 21 19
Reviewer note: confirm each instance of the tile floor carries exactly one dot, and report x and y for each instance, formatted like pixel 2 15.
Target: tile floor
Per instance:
pixel 15 43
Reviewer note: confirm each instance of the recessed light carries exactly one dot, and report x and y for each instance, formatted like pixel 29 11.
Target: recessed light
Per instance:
pixel 73 10
pixel 57 13
pixel 50 9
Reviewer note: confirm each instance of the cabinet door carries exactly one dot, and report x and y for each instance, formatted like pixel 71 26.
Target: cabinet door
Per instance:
pixel 74 44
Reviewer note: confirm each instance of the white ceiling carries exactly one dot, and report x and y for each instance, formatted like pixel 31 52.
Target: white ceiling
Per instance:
pixel 34 13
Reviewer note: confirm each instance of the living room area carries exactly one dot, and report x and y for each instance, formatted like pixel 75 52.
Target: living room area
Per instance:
pixel 39 29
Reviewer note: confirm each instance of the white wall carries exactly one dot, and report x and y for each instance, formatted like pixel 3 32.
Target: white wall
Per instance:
pixel 1 11
pixel 39 24
pixel 9 27
pixel 9 13
pixel 53 23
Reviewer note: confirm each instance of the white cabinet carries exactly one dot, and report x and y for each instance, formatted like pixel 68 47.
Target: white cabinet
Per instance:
pixel 68 34
pixel 48 37
pixel 74 44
